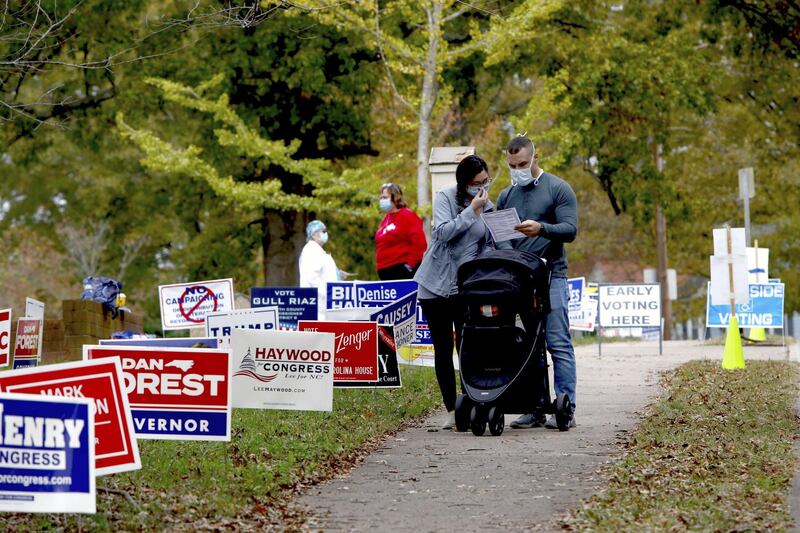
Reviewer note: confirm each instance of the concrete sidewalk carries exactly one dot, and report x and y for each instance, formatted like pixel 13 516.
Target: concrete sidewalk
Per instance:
pixel 428 480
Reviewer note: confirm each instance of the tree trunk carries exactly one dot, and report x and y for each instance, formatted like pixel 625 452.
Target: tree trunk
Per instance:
pixel 283 238
pixel 428 95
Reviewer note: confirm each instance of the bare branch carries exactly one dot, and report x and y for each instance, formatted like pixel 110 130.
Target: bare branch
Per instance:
pixel 85 246
pixel 130 252
pixel 389 74
pixel 35 39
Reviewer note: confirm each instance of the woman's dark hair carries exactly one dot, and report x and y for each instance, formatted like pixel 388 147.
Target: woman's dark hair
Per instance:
pixel 396 194
pixel 467 169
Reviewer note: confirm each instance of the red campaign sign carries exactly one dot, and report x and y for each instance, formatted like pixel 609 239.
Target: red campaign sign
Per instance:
pixel 175 393
pixel 191 378
pixel 5 337
pixel 29 338
pixel 116 449
pixel 356 355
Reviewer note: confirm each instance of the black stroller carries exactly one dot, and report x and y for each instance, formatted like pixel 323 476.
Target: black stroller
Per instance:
pixel 503 366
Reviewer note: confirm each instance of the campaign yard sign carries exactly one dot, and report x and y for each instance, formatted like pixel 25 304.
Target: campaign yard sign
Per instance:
pixel 170 342
pixel 283 370
pixel 186 305
pixel 34 308
pixel 221 325
pixel 382 293
pixel 764 308
pixel 402 314
pixel 293 303
pixel 340 295
pixel 343 294
pixel 47 454
pixel 632 305
pixel 5 337
pixel 423 333
pixel 356 349
pixel 116 449
pixel 757 265
pixel 28 345
pixel 584 318
pixel 388 368
pixel 576 293
pixel 175 393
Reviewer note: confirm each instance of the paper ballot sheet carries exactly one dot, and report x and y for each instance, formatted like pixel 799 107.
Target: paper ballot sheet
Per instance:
pixel 501 224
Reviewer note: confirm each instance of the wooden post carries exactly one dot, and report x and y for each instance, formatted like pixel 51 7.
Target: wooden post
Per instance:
pixel 661 253
pixel 730 271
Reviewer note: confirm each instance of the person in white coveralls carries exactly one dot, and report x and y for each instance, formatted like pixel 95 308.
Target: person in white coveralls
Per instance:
pixel 317 266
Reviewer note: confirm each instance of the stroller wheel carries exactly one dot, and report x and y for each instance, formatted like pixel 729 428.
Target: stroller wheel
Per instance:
pixel 477 421
pixel 497 421
pixel 563 411
pixel 463 411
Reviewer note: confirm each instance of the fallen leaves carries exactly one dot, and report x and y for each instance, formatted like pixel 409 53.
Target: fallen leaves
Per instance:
pixel 714 454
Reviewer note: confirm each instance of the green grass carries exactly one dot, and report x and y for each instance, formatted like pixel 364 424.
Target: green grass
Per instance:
pixel 189 485
pixel 714 454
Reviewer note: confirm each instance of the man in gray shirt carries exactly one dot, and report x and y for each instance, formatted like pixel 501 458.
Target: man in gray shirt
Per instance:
pixel 548 209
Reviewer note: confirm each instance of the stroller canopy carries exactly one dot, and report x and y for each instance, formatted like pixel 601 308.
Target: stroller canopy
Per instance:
pixel 499 272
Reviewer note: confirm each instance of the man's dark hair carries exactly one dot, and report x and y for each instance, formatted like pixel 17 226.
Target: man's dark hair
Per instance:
pixel 518 143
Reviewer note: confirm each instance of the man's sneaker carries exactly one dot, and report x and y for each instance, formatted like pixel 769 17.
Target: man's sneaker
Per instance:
pixel 552 424
pixel 450 421
pixel 528 420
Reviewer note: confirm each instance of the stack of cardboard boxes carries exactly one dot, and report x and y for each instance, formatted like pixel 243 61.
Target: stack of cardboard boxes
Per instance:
pixel 86 322
pixel 53 341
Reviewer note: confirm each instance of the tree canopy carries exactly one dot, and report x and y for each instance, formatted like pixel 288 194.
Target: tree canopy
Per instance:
pixel 168 141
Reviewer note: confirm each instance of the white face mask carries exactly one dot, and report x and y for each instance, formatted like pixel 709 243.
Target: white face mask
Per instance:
pixel 385 204
pixel 523 176
pixel 323 237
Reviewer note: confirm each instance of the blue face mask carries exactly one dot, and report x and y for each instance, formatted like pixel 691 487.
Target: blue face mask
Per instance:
pixel 385 204
pixel 323 237
pixel 474 191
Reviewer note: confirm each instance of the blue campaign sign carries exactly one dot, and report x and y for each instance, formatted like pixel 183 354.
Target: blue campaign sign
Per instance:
pixel 764 309
pixel 402 314
pixel 381 293
pixel 169 342
pixel 398 311
pixel 341 295
pixel 293 303
pixel 423 332
pixel 576 286
pixel 25 363
pixel 46 454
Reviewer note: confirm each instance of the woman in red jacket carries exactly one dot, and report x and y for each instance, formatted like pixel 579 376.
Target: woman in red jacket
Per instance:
pixel 400 242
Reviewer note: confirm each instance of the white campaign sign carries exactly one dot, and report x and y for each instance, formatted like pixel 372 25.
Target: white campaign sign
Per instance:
pixel 34 308
pixel 633 305
pixel 221 325
pixel 757 265
pixel 738 242
pixel 720 279
pixel 585 317
pixel 283 369
pixel 185 305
